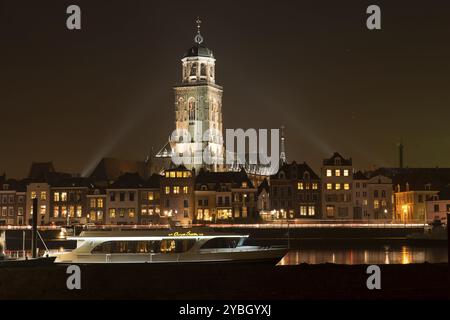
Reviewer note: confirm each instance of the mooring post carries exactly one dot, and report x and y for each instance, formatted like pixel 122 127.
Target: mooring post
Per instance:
pixel 34 229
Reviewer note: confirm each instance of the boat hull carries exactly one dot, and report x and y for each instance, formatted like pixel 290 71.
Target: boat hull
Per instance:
pixel 250 256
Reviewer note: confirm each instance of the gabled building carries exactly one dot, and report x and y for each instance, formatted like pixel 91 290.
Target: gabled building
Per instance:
pixel 337 182
pixel 177 195
pixel 68 201
pixel 96 205
pixel 225 197
pixel 122 200
pixel 150 201
pixel 438 207
pixel 372 197
pixel 12 202
pixel 295 192
pixel 263 202
pixel 413 188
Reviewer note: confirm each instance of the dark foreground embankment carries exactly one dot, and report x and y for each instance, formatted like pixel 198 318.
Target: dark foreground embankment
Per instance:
pixel 424 281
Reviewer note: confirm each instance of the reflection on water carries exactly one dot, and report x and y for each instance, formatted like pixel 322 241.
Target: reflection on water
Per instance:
pixel 383 255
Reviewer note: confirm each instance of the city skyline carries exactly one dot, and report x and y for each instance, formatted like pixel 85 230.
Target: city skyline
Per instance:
pixel 332 79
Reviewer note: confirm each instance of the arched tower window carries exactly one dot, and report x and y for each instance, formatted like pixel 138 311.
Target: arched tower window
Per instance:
pixel 203 70
pixel 192 110
pixel 193 70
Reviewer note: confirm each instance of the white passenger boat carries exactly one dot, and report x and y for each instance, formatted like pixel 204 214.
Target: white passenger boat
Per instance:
pixel 166 247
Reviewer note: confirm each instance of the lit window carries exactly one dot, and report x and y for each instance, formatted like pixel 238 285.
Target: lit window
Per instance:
pixel 167 174
pixel 167 190
pixel 346 173
pixel 112 213
pixel 337 173
pixel 330 211
pixel 185 190
pixel 311 211
pixel 44 195
pixel 100 203
pixel 131 213
pixel 186 174
pixel 376 204
pixel 303 211
pixel 329 186
pixel 176 190
pixel 33 194
pixel 43 210
pixel 151 196
pixel 71 211
pixel 179 174
pixel 56 197
pixel 300 186
pixel 365 202
pixel 244 212
pixel 315 186
pixel 347 186
pixel 93 203
pixel 329 174
pixel 338 186
pixel 56 212
pixel 63 196
pixel 79 211
pixel 307 186
pixel 173 174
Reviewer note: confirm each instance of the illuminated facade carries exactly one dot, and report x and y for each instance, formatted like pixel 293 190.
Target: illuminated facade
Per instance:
pixel 295 193
pixel 41 191
pixel 372 197
pixel 96 204
pixel 225 197
pixel 337 183
pixel 410 206
pixel 68 201
pixel 198 110
pixel 12 203
pixel 177 195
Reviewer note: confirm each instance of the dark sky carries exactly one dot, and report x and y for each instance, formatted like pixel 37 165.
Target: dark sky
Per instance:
pixel 73 97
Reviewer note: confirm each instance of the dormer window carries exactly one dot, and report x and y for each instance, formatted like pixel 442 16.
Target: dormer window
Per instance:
pixel 306 176
pixel 337 161
pixel 282 175
pixel 204 188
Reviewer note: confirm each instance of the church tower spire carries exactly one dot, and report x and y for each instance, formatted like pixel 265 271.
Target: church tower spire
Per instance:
pixel 198 108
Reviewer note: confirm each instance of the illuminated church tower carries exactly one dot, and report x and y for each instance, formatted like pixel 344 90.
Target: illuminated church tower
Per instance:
pixel 198 109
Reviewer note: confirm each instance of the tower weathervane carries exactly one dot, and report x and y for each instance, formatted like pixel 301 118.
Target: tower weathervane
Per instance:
pixel 198 38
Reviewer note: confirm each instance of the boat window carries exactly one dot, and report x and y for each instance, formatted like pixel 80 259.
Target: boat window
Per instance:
pixel 176 246
pixel 128 247
pixel 221 243
pixel 165 246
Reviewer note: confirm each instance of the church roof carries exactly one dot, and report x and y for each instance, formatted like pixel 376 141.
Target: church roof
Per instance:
pixel 199 50
pixel 109 169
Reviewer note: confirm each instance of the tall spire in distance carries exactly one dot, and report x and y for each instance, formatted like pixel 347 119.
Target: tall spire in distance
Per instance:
pixel 283 158
pixel 401 148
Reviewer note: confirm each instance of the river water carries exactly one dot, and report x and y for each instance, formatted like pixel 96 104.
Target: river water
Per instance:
pixel 313 252
pixel 404 254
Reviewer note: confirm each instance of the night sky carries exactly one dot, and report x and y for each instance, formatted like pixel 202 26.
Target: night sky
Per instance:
pixel 73 97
